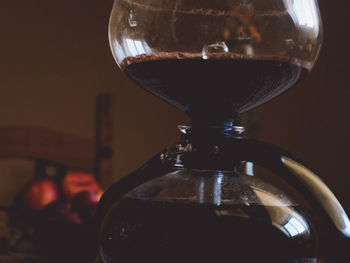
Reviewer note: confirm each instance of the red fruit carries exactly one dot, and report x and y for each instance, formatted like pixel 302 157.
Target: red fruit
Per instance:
pixel 76 182
pixel 60 212
pixel 39 193
pixel 85 204
pixel 99 194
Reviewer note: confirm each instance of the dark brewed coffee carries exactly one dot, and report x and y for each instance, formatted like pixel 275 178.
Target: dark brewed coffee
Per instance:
pixel 171 232
pixel 231 82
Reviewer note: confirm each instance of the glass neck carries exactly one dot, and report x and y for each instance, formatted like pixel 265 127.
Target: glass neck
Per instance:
pixel 201 144
pixel 208 130
pixel 212 121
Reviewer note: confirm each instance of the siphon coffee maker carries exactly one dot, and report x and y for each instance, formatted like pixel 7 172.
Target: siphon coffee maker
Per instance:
pixel 216 196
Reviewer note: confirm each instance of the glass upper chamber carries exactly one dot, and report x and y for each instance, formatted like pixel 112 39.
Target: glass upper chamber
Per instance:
pixel 231 54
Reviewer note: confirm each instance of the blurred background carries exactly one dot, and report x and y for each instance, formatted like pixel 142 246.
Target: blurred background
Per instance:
pixel 55 61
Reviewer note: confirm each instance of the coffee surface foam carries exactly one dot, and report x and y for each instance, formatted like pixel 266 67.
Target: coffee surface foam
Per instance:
pixel 217 56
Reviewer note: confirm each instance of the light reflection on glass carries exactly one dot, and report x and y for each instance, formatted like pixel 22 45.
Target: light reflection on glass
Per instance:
pixel 200 187
pixel 304 13
pixel 217 188
pixel 294 227
pixel 117 50
pixel 131 19
pixel 347 226
pixel 249 168
pixel 130 47
pixel 282 214
pixel 135 47
pixel 322 193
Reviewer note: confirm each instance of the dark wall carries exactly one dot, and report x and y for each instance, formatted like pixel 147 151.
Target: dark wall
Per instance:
pixel 55 58
pixel 312 119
